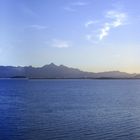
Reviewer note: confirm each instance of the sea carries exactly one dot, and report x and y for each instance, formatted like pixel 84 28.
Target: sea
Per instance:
pixel 69 109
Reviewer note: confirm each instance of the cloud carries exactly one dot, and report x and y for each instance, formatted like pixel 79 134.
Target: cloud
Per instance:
pixel 90 22
pixel 92 38
pixel 104 31
pixel 69 9
pixel 60 43
pixel 117 19
pixel 73 6
pixel 113 19
pixel 38 27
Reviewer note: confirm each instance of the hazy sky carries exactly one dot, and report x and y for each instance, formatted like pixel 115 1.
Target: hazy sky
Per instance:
pixel 93 35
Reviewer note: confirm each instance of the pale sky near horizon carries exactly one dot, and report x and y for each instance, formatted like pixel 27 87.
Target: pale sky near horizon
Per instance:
pixel 93 35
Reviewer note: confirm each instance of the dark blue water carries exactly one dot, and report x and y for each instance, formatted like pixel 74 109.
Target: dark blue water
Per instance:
pixel 69 109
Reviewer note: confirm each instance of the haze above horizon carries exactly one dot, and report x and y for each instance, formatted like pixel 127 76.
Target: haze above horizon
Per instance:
pixel 92 35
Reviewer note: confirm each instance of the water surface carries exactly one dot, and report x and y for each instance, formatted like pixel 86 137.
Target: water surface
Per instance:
pixel 69 109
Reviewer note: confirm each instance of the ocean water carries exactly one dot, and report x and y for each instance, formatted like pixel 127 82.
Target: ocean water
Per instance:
pixel 69 109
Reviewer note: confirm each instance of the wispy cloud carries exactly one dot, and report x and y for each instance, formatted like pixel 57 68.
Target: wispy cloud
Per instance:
pixel 104 31
pixel 92 38
pixel 38 27
pixel 90 22
pixel 72 7
pixel 117 19
pixel 57 43
pixel 113 19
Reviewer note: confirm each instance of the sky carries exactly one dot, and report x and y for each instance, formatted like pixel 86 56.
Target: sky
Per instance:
pixel 92 35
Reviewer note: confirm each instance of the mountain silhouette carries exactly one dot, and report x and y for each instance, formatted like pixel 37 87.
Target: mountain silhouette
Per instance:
pixel 54 71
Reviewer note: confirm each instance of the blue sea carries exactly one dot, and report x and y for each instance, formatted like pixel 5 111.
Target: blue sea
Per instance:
pixel 69 109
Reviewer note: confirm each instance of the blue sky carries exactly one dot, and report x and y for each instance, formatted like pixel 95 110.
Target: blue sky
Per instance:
pixel 93 35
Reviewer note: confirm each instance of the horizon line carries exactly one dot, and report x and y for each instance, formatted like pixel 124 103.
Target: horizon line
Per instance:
pixel 67 67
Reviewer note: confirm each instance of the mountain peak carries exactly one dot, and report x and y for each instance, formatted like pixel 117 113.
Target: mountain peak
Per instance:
pixel 50 65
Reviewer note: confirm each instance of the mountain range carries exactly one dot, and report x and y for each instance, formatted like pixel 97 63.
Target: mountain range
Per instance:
pixel 52 71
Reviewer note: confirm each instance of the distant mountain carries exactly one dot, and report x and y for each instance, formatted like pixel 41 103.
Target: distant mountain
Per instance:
pixel 9 71
pixel 137 76
pixel 54 71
